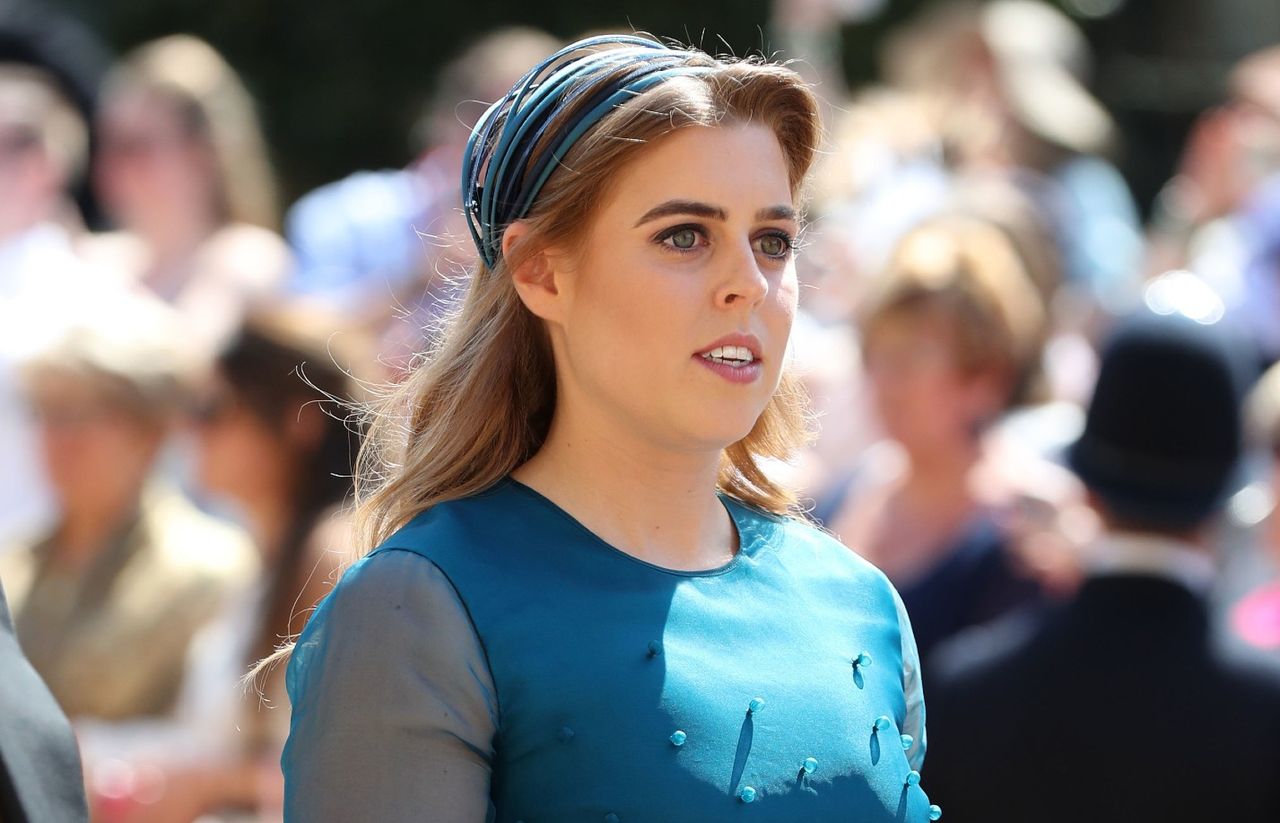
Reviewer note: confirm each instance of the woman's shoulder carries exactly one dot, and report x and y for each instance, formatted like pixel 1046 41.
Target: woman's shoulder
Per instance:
pixel 381 591
pixel 391 577
pixel 413 558
pixel 481 527
pixel 801 541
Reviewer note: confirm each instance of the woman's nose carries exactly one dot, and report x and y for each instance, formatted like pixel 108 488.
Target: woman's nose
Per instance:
pixel 744 281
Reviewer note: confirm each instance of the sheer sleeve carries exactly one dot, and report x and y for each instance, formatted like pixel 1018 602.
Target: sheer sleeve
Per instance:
pixel 394 709
pixel 912 688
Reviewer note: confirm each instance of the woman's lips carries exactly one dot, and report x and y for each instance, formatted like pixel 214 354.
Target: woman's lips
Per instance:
pixel 747 373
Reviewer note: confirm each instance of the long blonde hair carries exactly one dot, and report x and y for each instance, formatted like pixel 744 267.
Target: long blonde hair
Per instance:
pixel 480 402
pixel 191 75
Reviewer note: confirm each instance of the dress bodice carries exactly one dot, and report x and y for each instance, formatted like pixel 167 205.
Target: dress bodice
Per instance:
pixel 778 687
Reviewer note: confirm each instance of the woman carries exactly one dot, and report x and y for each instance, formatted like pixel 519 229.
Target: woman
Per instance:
pixel 183 172
pixel 589 602
pixel 106 602
pixel 266 445
pixel 950 336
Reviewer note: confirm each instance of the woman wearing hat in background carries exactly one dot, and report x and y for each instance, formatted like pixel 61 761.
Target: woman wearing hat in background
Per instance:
pixel 1010 80
pixel 266 445
pixel 107 600
pixel 588 601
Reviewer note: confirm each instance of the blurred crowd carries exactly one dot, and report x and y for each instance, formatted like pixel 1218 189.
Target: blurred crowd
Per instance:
pixel 176 433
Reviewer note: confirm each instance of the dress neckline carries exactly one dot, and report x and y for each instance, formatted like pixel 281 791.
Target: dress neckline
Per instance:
pixel 743 517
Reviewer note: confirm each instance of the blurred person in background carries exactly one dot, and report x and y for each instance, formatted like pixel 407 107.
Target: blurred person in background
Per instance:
pixel 268 445
pixel 385 247
pixel 107 600
pixel 881 176
pixel 44 145
pixel 950 340
pixel 1008 84
pixel 183 172
pixel 1219 216
pixel 1117 705
pixel 1256 618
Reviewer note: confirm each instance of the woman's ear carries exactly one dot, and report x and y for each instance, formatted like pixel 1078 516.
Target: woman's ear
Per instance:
pixel 534 275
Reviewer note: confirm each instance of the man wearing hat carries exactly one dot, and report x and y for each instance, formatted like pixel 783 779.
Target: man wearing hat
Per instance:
pixel 1114 706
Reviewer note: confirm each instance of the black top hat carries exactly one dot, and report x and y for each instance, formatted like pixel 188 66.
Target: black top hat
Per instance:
pixel 1162 439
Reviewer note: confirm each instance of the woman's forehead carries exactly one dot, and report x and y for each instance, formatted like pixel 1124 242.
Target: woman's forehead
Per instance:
pixel 738 168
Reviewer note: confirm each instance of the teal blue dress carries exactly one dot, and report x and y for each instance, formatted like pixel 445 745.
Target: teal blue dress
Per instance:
pixel 495 660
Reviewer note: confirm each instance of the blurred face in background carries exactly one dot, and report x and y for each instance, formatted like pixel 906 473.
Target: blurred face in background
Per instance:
pixel 25 174
pixel 151 162
pixel 924 399
pixel 97 449
pixel 241 455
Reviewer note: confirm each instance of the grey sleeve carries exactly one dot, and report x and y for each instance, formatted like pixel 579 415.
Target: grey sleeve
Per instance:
pixel 912 688
pixel 394 708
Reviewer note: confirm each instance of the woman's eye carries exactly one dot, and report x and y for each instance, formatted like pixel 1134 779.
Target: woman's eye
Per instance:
pixel 683 239
pixel 774 245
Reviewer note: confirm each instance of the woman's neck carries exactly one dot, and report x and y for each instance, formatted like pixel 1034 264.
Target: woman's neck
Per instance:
pixel 941 472
pixel 654 504
pixel 176 236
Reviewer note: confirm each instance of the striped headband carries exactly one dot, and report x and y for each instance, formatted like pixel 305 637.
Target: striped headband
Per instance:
pixel 501 176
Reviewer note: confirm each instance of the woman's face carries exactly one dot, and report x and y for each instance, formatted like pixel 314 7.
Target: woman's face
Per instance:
pixel 674 313
pixel 148 164
pixel 93 449
pixel 240 455
pixel 923 399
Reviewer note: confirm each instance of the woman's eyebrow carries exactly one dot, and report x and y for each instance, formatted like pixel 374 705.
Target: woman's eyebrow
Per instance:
pixel 699 209
pixel 777 213
pixel 690 207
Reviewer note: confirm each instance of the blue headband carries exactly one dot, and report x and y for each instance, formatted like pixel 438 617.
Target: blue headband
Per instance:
pixel 501 177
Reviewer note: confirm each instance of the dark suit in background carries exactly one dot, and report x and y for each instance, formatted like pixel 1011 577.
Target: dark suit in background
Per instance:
pixel 40 775
pixel 1113 707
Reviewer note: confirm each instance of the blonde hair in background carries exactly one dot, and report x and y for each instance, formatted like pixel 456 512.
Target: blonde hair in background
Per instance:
pixel 189 74
pixel 967 272
pixel 480 402
pixel 31 99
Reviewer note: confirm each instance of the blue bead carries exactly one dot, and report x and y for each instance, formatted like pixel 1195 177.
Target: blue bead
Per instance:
pixel 678 737
pixel 863 659
pixel 747 794
pixel 883 723
pixel 565 734
pixel 655 648
pixel 611 818
pixel 810 765
pixel 935 812
pixel 756 704
pixel 913 778
pixel 907 741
